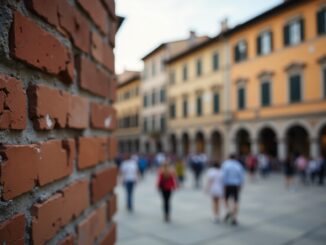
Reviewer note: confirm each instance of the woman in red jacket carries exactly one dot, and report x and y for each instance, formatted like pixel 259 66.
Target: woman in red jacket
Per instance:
pixel 166 184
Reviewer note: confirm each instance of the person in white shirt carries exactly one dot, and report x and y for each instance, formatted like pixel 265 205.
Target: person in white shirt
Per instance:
pixel 215 188
pixel 129 174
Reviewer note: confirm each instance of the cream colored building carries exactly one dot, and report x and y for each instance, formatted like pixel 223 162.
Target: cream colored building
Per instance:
pixel 153 92
pixel 128 106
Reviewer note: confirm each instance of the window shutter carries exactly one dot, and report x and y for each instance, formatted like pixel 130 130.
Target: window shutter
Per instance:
pixel 216 101
pixel 295 88
pixel 286 35
pixel 302 29
pixel 258 40
pixel 321 21
pixel 236 53
pixel 324 73
pixel 271 38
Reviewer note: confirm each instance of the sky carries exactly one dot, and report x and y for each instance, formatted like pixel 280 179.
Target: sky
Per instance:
pixel 148 23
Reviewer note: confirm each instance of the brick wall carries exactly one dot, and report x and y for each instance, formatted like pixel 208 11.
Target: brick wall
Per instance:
pixel 57 87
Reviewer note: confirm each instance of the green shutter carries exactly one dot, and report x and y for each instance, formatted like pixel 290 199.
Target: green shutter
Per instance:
pixel 324 71
pixel 215 62
pixel 258 43
pixel 302 29
pixel 216 103
pixel 321 21
pixel 241 98
pixel 286 35
pixel 295 88
pixel 265 94
pixel 185 108
pixel 271 38
pixel 199 106
pixel 236 53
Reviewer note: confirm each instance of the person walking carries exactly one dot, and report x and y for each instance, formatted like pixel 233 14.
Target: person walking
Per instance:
pixel 233 179
pixel 289 171
pixel 251 165
pixel 302 163
pixel 166 184
pixel 129 174
pixel 214 188
pixel 180 169
pixel 263 164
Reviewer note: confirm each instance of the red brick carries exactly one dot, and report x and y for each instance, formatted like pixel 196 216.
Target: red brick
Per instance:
pixel 93 79
pixel 56 212
pixel 38 48
pixel 91 151
pixel 112 206
pixel 103 116
pixel 110 4
pixel 96 11
pixel 90 229
pixel 54 162
pixel 78 112
pixel 103 182
pixel 112 31
pixel 112 147
pixel 48 107
pixel 102 52
pixel 12 231
pixel 111 236
pixel 113 90
pixel 64 16
pixel 69 240
pixel 13 105
pixel 18 170
pixel 75 24
pixel 70 146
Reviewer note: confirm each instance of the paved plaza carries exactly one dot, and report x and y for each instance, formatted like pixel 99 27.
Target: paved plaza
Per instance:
pixel 269 215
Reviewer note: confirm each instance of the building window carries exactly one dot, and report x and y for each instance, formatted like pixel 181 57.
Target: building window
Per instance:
pixel 162 95
pixel 294 32
pixel 240 51
pixel 241 97
pixel 324 81
pixel 145 125
pixel 265 93
pixel 185 73
pixel 264 43
pixel 321 21
pixel 153 68
pixel 215 61
pixel 162 123
pixel 172 110
pixel 153 98
pixel 216 103
pixel 153 123
pixel 295 88
pixel 199 67
pixel 199 105
pixel 145 101
pixel 172 77
pixel 185 108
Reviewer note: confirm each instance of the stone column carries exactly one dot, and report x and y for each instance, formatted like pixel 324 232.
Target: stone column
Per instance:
pixel 281 149
pixel 314 148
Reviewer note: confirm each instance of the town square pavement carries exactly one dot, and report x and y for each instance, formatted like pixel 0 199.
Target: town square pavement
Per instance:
pixel 269 214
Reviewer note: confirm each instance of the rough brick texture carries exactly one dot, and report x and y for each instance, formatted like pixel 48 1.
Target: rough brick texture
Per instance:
pixel 12 231
pixel 13 108
pixel 57 145
pixel 103 183
pixel 40 49
pixel 103 117
pixel 90 229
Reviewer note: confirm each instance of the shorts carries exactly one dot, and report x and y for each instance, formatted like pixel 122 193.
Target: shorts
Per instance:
pixel 232 191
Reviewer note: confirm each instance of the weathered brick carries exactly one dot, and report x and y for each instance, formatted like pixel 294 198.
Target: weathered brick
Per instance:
pixel 113 90
pixel 102 52
pixel 48 107
pixel 110 5
pixel 90 229
pixel 78 112
pixel 103 116
pixel 38 48
pixel 64 16
pixel 69 240
pixel 112 31
pixel 103 182
pixel 53 214
pixel 112 144
pixel 112 206
pixel 18 170
pixel 96 11
pixel 93 79
pixel 91 151
pixel 54 162
pixel 13 105
pixel 111 235
pixel 12 231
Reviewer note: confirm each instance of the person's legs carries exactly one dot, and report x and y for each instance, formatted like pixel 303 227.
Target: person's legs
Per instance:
pixel 166 204
pixel 129 188
pixel 235 195
pixel 226 201
pixel 216 208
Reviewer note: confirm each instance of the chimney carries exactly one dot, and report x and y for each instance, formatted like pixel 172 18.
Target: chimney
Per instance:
pixel 224 25
pixel 192 37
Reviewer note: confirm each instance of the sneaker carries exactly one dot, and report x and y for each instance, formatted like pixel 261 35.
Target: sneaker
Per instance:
pixel 227 217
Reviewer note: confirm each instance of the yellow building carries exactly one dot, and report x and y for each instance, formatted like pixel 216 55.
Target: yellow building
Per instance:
pixel 128 106
pixel 270 85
